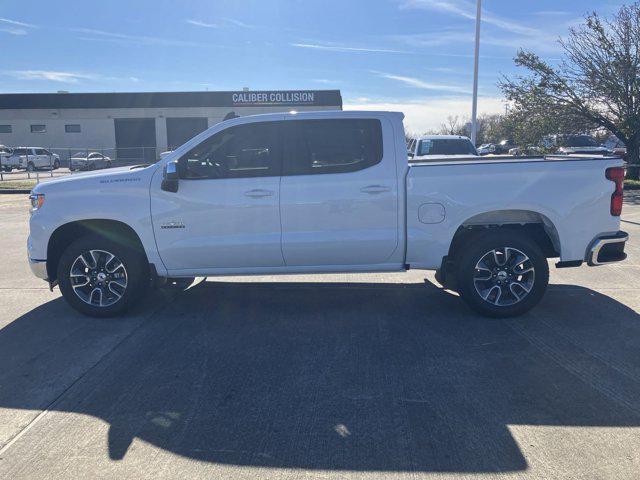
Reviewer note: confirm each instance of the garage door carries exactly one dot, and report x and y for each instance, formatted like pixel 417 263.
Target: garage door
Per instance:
pixel 135 140
pixel 180 130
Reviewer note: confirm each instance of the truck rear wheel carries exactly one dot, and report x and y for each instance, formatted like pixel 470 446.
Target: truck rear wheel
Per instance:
pixel 101 277
pixel 502 273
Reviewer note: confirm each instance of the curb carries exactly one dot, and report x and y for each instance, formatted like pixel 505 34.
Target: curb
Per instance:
pixel 13 192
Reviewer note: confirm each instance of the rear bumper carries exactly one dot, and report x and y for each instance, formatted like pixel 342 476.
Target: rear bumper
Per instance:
pixel 38 268
pixel 607 249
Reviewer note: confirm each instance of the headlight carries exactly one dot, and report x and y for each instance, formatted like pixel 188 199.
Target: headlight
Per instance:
pixel 37 200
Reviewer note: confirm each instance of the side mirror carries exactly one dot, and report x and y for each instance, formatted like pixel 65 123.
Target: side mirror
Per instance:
pixel 170 177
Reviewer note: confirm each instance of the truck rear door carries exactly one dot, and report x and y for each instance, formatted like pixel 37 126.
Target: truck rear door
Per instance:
pixel 339 193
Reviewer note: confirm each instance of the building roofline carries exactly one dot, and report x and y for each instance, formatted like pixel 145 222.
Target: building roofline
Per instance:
pixel 231 99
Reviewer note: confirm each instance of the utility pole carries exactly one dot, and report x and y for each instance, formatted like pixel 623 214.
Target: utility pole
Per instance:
pixel 474 108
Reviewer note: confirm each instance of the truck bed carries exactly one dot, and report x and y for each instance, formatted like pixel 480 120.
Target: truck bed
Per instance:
pixel 507 159
pixel 569 195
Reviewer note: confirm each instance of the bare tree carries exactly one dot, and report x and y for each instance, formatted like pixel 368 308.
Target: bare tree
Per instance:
pixel 453 126
pixel 597 82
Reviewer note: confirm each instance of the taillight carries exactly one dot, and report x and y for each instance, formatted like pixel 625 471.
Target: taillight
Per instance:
pixel 616 175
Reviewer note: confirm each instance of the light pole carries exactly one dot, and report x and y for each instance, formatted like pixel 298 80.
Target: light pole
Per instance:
pixel 474 108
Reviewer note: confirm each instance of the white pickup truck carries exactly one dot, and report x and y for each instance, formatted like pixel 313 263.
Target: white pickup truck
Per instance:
pixel 324 192
pixel 32 158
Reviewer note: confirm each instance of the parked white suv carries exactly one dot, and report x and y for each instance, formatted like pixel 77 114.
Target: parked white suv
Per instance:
pixel 433 147
pixel 5 153
pixel 32 158
pixel 319 192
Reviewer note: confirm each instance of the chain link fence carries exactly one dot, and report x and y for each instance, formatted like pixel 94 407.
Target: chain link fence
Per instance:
pixel 37 162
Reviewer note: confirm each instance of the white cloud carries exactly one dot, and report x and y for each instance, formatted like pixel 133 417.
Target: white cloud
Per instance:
pixel 14 27
pixel 222 22
pixel 66 77
pixel 509 35
pixel 101 35
pixel 425 114
pixel 326 81
pixel 417 83
pixel 51 75
pixel 17 23
pixel 13 30
pixel 199 23
pixel 552 13
pixel 467 9
pixel 343 48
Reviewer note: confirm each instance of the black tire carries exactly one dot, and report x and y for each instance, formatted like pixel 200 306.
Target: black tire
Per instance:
pixel 31 167
pixel 136 271
pixel 56 164
pixel 511 288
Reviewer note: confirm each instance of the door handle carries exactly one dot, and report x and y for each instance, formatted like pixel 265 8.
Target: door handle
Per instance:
pixel 375 189
pixel 258 193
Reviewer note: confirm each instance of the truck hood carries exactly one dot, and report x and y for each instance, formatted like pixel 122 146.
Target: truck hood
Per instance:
pixel 95 180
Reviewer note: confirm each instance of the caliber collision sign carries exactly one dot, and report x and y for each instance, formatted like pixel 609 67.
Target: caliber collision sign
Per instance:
pixel 273 98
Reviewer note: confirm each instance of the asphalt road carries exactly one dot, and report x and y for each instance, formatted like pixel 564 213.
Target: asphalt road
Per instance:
pixel 339 376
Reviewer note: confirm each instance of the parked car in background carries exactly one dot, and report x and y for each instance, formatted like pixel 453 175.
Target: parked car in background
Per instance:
pixel 486 149
pixel 616 145
pixel 89 161
pixel 5 153
pixel 575 144
pixel 526 151
pixel 33 158
pixel 503 147
pixel 345 199
pixel 431 147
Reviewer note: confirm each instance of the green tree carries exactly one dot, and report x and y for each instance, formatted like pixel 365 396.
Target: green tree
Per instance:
pixel 596 84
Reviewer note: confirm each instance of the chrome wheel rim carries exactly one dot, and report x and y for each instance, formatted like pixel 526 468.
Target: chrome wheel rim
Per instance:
pixel 98 278
pixel 504 276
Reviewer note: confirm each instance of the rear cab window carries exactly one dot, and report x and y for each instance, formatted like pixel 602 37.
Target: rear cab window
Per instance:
pixel 446 146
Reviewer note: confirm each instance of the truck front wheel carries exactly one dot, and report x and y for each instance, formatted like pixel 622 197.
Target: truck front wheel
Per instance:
pixel 502 273
pixel 101 277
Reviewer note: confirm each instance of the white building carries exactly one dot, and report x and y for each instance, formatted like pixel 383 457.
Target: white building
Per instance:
pixel 134 126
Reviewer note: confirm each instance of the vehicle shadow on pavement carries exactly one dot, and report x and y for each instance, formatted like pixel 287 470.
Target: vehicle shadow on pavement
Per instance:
pixel 331 376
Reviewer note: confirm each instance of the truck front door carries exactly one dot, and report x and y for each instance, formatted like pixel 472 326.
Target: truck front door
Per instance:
pixel 339 193
pixel 226 212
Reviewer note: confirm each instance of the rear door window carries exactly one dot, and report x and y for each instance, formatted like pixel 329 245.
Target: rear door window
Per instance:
pixel 332 146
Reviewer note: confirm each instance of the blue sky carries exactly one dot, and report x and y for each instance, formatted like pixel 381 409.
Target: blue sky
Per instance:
pixel 409 55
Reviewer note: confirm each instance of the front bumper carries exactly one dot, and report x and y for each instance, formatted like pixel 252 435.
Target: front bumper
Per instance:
pixel 607 249
pixel 39 268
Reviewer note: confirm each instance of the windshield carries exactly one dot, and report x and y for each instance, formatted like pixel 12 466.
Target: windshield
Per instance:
pixel 578 141
pixel 448 146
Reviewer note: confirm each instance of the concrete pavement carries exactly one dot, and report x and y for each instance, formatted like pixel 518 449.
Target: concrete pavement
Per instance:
pixel 336 376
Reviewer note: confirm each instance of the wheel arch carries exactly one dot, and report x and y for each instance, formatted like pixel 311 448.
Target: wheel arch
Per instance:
pixel 534 224
pixel 62 236
pixel 538 226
